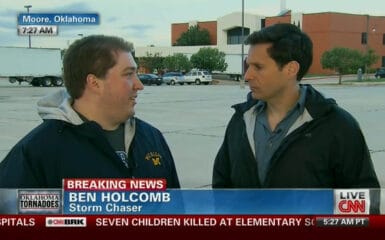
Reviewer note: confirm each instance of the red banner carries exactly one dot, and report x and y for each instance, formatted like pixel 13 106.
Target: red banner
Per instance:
pixel 223 226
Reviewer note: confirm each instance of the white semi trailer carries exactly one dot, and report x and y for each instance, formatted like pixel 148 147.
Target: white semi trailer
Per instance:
pixel 234 66
pixel 233 56
pixel 37 66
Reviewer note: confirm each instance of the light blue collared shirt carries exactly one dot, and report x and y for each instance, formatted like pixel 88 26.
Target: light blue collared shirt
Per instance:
pixel 267 141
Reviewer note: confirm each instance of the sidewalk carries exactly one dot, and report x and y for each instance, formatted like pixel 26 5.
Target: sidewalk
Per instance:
pixel 334 80
pixel 322 80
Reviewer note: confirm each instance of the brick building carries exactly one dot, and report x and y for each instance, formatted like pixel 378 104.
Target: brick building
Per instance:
pixel 178 28
pixel 327 30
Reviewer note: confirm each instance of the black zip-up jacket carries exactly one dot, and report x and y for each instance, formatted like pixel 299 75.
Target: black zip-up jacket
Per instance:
pixel 326 149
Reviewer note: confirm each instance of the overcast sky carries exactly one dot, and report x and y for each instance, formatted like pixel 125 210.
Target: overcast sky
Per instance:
pixel 148 22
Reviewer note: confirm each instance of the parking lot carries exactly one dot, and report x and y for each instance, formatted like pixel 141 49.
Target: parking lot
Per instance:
pixel 193 119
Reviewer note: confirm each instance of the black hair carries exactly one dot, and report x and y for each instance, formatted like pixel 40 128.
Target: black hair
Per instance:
pixel 289 43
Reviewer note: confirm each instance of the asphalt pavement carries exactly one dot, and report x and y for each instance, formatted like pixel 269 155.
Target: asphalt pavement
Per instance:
pixel 193 118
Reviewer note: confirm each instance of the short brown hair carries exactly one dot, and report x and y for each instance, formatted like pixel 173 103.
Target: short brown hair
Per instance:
pixel 93 54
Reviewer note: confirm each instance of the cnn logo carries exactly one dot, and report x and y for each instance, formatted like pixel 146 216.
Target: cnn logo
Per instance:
pixel 351 201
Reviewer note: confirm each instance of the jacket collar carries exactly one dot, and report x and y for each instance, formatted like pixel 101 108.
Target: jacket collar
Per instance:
pixel 316 104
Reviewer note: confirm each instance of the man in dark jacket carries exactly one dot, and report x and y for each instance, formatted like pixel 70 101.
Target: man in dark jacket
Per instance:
pixel 288 135
pixel 89 131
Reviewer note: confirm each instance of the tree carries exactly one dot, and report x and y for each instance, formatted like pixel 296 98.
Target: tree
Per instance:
pixel 342 60
pixel 151 61
pixel 210 59
pixel 370 58
pixel 194 36
pixel 177 62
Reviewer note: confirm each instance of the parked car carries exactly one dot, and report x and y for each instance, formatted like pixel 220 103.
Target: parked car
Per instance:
pixel 380 73
pixel 171 78
pixel 198 77
pixel 149 79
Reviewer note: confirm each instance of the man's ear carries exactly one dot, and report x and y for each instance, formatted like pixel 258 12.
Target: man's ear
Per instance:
pixel 93 83
pixel 293 68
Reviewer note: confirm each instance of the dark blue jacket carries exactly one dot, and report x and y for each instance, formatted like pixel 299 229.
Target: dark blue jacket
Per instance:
pixel 57 149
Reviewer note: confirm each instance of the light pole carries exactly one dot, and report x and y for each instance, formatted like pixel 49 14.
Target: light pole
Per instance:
pixel 29 35
pixel 367 45
pixel 242 80
pixel 369 52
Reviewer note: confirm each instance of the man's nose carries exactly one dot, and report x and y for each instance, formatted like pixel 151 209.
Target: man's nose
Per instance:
pixel 247 75
pixel 138 85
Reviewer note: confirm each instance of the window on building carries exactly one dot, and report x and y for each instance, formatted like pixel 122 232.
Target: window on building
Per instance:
pixel 383 39
pixel 364 38
pixel 234 35
pixel 263 23
pixel 383 61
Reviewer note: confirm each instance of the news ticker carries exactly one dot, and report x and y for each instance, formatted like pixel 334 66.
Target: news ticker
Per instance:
pixel 150 196
pixel 47 24
pixel 212 221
